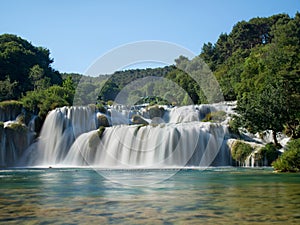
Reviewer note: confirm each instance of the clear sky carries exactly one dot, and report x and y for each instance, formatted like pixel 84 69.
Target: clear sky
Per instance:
pixel 77 32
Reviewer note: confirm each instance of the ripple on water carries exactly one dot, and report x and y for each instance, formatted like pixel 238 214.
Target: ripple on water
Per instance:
pixel 190 197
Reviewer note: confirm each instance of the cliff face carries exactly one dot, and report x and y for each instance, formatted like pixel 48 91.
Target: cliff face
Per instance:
pixel 14 139
pixel 17 132
pixel 9 110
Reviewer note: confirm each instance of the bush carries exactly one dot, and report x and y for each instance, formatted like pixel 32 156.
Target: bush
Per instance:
pixel 269 153
pixel 240 151
pixel 289 161
pixel 234 125
pixel 42 101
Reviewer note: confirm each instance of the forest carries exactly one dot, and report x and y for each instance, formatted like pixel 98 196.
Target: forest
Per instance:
pixel 257 64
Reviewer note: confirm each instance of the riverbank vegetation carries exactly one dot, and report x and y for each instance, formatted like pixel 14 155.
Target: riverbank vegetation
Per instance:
pixel 257 64
pixel 289 161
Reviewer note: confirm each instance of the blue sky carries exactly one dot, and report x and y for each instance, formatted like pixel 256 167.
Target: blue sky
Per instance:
pixel 77 32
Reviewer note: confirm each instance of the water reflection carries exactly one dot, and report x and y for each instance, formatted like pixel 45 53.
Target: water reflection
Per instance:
pixel 190 197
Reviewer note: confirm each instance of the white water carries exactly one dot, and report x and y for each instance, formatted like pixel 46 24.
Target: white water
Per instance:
pixel 194 144
pixel 69 137
pixel 13 142
pixel 62 126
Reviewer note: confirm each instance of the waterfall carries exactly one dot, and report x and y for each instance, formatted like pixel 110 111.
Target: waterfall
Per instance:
pixel 191 144
pixel 14 139
pixel 69 137
pixel 61 127
pixel 15 136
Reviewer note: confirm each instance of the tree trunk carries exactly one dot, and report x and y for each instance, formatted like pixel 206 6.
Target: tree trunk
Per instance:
pixel 275 138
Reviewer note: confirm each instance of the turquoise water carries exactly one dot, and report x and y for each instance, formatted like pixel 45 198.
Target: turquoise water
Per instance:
pixel 213 196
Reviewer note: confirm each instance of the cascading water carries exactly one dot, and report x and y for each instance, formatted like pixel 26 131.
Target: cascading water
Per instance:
pixel 193 144
pixel 15 136
pixel 14 139
pixel 62 126
pixel 69 137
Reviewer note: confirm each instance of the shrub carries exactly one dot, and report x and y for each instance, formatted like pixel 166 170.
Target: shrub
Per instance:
pixel 234 125
pixel 289 161
pixel 42 101
pixel 240 151
pixel 269 153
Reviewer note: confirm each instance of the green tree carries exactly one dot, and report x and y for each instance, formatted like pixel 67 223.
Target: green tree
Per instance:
pixel 69 84
pixel 109 91
pixel 38 79
pixel 42 101
pixel 289 161
pixel 7 89
pixel 264 109
pixel 19 59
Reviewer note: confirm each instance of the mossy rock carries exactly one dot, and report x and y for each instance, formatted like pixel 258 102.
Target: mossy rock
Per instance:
pixel 101 108
pixel 217 117
pixel 156 111
pixel 101 131
pixel 138 128
pixel 11 103
pixel 9 110
pixel 18 127
pixel 98 107
pixel 137 119
pixel 102 120
pixel 94 141
pixel 240 151
pixel 96 137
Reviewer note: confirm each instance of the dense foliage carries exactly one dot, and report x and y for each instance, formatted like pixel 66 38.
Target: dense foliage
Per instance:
pixel 258 65
pixel 289 161
pixel 187 82
pixel 42 101
pixel 24 67
pixel 268 154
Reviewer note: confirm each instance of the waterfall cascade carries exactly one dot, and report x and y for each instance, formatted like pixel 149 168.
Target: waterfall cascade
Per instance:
pixel 70 137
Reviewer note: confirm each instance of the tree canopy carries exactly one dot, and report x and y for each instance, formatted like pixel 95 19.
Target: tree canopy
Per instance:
pixel 24 67
pixel 258 64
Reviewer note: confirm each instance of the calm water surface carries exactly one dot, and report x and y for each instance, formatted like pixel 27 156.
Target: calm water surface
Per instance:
pixel 214 196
